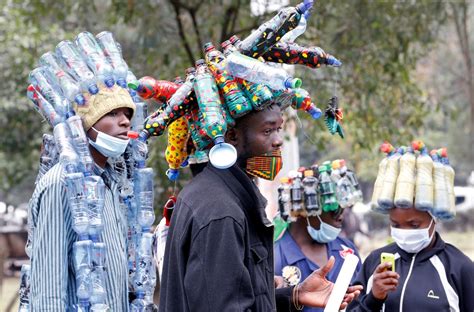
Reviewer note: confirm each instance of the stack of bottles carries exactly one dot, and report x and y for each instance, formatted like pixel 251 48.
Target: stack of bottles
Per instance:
pixel 73 73
pixel 413 177
pixel 308 192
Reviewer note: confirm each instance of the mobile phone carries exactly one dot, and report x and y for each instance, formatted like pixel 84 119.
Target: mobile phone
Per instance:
pixel 388 257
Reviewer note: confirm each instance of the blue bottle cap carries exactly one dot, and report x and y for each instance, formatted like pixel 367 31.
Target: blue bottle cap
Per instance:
pixel 93 89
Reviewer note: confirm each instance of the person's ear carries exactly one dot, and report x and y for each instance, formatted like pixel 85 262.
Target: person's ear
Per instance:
pixel 232 136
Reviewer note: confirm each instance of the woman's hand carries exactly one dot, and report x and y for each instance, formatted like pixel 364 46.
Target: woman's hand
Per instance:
pixel 384 281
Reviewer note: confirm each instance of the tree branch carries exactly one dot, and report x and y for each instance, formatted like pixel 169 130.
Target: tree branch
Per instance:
pixel 182 35
pixel 192 12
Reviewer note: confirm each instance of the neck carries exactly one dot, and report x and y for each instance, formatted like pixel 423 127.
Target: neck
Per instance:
pixel 99 159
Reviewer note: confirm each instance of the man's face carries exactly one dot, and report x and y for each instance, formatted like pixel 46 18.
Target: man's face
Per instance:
pixel 259 133
pixel 333 218
pixel 410 219
pixel 116 123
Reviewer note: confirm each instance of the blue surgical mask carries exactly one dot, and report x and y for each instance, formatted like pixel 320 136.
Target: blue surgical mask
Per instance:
pixel 326 233
pixel 108 145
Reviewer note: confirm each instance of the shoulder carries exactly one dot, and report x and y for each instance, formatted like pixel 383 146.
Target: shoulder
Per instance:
pixel 457 258
pixel 55 175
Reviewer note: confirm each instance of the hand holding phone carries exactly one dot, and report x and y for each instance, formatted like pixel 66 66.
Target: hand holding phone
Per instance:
pixel 388 257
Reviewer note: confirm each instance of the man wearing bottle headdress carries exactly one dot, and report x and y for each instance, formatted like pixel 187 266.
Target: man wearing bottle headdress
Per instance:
pixel 219 251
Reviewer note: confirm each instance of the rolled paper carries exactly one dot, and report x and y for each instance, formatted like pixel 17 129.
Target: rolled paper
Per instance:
pixel 176 152
pixel 342 283
pixel 151 88
pixel 292 53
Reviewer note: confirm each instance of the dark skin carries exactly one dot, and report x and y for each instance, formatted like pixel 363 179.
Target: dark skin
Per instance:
pixel 115 123
pixel 313 250
pixel 385 280
pixel 258 133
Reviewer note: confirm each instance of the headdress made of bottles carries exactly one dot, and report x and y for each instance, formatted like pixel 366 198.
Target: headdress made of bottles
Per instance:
pixel 229 84
pixel 329 187
pixel 70 77
pixel 413 177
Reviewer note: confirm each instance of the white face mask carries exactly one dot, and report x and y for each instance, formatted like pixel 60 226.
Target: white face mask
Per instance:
pixel 108 145
pixel 326 233
pixel 412 241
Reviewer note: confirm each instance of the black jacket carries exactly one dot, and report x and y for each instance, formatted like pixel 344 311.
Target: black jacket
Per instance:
pixel 219 250
pixel 438 279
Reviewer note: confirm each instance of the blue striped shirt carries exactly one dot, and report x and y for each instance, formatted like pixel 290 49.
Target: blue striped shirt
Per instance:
pixel 52 280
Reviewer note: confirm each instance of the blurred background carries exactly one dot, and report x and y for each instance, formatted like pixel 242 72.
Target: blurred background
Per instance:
pixel 407 74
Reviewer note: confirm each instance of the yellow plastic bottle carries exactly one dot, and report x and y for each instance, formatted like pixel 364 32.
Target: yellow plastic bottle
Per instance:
pixel 441 196
pixel 449 174
pixel 176 150
pixel 424 180
pixel 388 149
pixel 387 193
pixel 405 189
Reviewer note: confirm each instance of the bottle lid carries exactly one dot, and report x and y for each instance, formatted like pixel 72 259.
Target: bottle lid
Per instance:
pixel 225 44
pixel 308 173
pixel 336 164
pixel 190 70
pixel 223 155
pixel 293 83
pixel 208 46
pixel 132 135
pixel 200 62
pixel 332 61
pixel 284 180
pixel 234 39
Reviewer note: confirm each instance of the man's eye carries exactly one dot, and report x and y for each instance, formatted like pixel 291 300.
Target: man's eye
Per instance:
pixel 267 131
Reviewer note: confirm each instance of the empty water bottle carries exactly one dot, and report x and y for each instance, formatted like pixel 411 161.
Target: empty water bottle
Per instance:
pixel 99 292
pixel 67 154
pixel 111 51
pixel 95 57
pixel 143 181
pixel 143 278
pixel 72 61
pixel 24 291
pixel 77 203
pixel 43 106
pixel 95 197
pixel 49 155
pixel 80 142
pixel 69 87
pixel 82 251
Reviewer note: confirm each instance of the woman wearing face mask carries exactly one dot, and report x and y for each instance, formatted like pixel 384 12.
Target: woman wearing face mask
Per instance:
pixel 429 275
pixel 308 243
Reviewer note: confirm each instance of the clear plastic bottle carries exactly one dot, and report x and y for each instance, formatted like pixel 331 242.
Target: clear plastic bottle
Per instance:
pixel 283 200
pixel 311 199
pixel 80 142
pixel 109 47
pixel 41 79
pixel 388 149
pixel 95 57
pixel 67 154
pixel 95 197
pixel 143 184
pixel 358 196
pixel 441 204
pixel 297 191
pixel 143 274
pixel 141 109
pixel 77 202
pixel 43 106
pixel 295 33
pixel 405 188
pixel 72 61
pixel 69 87
pixel 327 189
pixel 253 70
pixel 49 155
pixel 424 191
pixel 387 194
pixel 24 291
pixel 82 251
pixel 345 191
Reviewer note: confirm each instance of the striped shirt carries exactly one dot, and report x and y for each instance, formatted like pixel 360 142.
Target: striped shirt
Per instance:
pixel 53 286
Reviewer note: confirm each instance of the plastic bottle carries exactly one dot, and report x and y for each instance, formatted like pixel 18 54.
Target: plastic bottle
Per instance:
pixel 259 95
pixel 253 70
pixel 95 58
pixel 141 108
pixel 176 107
pixel 176 152
pixel 82 251
pixel 67 154
pixel 296 191
pixel 41 79
pixel 95 197
pixel 99 292
pixel 345 191
pixel 24 292
pixel 355 183
pixel 262 39
pixel 235 99
pixel 49 155
pixel 293 53
pixel 441 204
pixel 405 187
pixel 69 87
pixel 80 142
pixel 327 189
pixel 114 55
pixel 43 106
pixel 311 199
pixel 449 174
pixel 151 88
pixel 424 178
pixel 72 61
pixel 387 194
pixel 75 189
pixel 283 200
pixel 143 184
pixel 296 32
pixel 388 149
